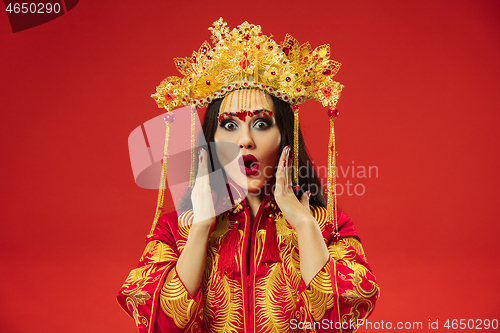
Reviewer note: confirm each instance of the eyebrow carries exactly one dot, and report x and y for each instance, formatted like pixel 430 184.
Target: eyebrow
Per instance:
pixel 254 112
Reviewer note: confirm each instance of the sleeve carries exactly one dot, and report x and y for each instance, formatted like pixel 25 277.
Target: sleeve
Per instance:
pixel 344 290
pixel 153 295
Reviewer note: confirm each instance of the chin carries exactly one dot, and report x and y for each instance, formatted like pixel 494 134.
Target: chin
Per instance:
pixel 248 183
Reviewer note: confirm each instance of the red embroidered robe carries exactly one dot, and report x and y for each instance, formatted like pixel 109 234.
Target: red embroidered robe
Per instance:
pixel 258 296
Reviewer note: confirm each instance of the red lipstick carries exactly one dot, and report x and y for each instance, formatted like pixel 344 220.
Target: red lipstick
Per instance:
pixel 249 165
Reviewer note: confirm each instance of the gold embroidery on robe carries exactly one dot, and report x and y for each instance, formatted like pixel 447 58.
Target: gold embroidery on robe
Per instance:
pixel 320 293
pixel 221 293
pixel 274 300
pixel 174 300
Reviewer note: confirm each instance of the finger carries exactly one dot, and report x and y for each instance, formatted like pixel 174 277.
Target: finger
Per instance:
pixel 202 167
pixel 280 172
pixel 289 163
pixel 304 199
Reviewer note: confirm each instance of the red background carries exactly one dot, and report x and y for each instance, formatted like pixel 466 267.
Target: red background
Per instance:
pixel 420 103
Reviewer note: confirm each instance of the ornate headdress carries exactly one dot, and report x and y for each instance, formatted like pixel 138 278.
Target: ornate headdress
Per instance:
pixel 244 58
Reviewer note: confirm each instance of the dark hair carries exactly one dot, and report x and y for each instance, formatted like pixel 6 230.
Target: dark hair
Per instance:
pixel 284 121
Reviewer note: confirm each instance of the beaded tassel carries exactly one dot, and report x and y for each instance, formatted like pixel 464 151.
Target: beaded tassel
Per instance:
pixel 193 142
pixel 295 146
pixel 331 202
pixel 169 118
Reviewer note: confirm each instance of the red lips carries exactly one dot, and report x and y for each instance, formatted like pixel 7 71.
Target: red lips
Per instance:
pixel 249 165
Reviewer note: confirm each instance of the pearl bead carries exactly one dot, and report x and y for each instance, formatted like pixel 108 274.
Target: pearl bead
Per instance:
pixel 169 118
pixel 333 112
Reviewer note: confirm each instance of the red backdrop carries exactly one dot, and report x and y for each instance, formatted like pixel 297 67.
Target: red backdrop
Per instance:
pixel 421 80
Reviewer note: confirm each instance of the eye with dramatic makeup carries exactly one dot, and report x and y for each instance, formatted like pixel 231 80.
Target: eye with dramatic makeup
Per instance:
pixel 228 124
pixel 262 123
pixel 259 123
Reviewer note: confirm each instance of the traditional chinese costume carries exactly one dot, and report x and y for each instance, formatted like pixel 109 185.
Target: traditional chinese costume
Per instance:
pixel 261 292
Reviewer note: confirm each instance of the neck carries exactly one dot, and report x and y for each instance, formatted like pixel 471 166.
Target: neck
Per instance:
pixel 253 202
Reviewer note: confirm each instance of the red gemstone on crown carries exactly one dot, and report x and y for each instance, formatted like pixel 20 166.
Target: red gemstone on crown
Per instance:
pixel 244 63
pixel 288 79
pixel 286 50
pixel 327 72
pixel 257 46
pixel 209 57
pixel 298 89
pixel 207 82
pixel 203 49
pixel 327 91
pixel 273 73
pixel 169 96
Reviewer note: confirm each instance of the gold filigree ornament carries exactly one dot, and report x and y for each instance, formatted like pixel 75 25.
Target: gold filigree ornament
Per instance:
pixel 245 58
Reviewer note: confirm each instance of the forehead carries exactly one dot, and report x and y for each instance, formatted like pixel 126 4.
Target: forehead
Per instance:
pixel 247 100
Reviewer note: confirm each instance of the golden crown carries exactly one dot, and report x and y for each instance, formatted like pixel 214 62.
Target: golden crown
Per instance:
pixel 244 58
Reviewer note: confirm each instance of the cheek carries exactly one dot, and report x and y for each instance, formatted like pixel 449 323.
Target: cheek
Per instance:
pixel 227 151
pixel 272 144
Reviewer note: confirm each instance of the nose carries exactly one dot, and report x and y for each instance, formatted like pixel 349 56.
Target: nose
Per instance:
pixel 245 139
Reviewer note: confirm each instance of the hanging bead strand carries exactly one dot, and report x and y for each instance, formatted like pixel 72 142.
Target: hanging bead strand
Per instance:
pixel 332 177
pixel 169 118
pixel 295 170
pixel 193 142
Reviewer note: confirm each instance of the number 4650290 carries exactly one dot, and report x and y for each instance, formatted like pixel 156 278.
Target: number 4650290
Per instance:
pixel 477 324
pixel 33 8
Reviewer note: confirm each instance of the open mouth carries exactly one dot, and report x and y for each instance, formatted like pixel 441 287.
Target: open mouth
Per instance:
pixel 249 165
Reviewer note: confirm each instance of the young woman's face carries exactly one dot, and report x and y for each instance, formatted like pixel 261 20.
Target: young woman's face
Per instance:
pixel 257 137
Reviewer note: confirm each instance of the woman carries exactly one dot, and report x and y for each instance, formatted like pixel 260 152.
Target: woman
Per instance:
pixel 241 271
